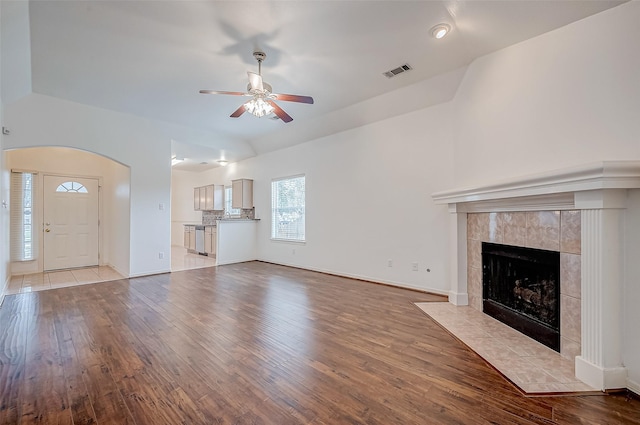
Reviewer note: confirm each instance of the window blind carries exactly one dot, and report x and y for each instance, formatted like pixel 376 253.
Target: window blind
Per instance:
pixel 24 236
pixel 288 209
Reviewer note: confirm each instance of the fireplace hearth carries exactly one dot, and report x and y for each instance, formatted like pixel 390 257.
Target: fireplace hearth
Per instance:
pixel 521 288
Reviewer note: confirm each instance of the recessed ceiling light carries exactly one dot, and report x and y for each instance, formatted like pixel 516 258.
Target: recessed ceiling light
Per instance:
pixel 440 30
pixel 223 162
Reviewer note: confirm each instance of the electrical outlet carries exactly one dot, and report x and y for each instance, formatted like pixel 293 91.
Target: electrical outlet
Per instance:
pixel 161 207
pixel 389 263
pixel 414 267
pixel 161 255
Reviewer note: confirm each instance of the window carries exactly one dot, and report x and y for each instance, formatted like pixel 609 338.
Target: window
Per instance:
pixel 24 240
pixel 288 209
pixel 73 187
pixel 228 209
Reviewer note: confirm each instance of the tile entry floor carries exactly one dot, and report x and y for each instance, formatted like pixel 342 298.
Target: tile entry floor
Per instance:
pixel 20 284
pixel 531 366
pixel 180 260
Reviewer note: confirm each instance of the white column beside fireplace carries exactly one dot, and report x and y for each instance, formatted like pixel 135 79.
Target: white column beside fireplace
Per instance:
pixel 599 191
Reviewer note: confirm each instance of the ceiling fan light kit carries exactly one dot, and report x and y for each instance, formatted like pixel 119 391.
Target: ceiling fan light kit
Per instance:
pixel 262 96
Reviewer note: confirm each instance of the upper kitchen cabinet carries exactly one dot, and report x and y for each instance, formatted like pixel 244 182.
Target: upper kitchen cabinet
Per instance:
pixel 242 193
pixel 196 199
pixel 208 198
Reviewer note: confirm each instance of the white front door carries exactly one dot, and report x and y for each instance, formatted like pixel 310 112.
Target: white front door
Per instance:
pixel 70 231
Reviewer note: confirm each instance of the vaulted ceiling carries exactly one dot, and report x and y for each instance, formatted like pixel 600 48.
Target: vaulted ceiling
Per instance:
pixel 150 59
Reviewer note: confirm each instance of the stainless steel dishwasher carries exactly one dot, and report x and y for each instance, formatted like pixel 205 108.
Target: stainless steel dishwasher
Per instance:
pixel 200 239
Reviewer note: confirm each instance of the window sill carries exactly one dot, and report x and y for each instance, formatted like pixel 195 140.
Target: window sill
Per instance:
pixel 296 241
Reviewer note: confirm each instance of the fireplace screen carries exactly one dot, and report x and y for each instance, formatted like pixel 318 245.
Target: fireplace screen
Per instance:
pixel 521 287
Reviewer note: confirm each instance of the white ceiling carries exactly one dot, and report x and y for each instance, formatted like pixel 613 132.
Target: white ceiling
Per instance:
pixel 150 58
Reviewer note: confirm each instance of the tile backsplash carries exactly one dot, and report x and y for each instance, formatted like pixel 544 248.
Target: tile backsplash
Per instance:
pixel 210 217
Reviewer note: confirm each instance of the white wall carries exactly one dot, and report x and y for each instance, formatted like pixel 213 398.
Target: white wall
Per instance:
pixel 182 184
pixel 4 193
pixel 16 50
pixel 568 97
pixel 73 162
pixel 143 145
pixel 117 212
pixel 368 199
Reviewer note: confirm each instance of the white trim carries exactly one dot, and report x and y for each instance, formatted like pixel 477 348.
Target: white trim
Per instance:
pixel 599 175
pixel 600 377
pixel 633 386
pixel 360 277
pixel 457 298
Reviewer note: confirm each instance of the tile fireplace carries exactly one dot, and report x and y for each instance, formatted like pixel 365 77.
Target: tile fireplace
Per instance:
pixel 581 213
pixel 521 288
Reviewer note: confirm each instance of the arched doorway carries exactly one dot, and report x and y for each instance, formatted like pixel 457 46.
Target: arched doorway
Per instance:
pixel 105 207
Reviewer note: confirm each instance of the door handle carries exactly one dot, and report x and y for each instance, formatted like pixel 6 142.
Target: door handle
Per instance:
pixel 47 230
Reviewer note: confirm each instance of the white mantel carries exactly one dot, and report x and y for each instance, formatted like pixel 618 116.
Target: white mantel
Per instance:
pixel 599 191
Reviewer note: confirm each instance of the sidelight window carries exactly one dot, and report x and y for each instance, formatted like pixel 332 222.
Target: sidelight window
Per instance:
pixel 24 240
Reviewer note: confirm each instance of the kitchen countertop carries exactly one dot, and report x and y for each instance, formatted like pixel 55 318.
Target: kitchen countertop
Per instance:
pixel 222 219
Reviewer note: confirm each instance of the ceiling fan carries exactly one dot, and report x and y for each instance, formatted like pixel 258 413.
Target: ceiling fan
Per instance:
pixel 262 95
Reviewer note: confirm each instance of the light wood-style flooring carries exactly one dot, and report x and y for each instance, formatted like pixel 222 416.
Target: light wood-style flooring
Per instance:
pixel 255 343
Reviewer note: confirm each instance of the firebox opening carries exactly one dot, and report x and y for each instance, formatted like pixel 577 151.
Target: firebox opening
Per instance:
pixel 521 288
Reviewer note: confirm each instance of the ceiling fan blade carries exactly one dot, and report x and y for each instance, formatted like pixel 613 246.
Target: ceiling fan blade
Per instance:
pixel 294 98
pixel 255 81
pixel 241 110
pixel 232 93
pixel 279 112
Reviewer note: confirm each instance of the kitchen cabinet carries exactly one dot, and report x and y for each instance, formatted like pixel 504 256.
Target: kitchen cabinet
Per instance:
pixel 210 240
pixel 196 198
pixel 208 198
pixel 190 237
pixel 242 193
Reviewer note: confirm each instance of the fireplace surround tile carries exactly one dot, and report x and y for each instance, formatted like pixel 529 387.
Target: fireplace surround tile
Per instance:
pixel 478 226
pixel 570 232
pixel 570 269
pixel 570 318
pixel 474 277
pixel 474 253
pixel 543 230
pixel 514 228
pixel 569 349
pixel 534 229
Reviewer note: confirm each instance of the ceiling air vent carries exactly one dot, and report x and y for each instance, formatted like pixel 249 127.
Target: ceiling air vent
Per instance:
pixel 399 70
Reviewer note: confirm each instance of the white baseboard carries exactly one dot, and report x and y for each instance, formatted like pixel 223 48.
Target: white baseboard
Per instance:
pixel 362 277
pixel 599 377
pixel 633 386
pixel 149 273
pixel 124 274
pixel 457 298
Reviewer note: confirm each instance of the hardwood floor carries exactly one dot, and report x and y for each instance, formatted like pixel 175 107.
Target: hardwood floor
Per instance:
pixel 255 343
